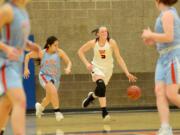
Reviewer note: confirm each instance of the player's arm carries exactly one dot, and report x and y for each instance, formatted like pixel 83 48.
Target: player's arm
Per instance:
pixel 120 60
pixel 66 59
pixel 149 42
pixel 28 56
pixel 6 17
pixel 33 46
pixel 168 27
pixel 83 49
pixel 118 57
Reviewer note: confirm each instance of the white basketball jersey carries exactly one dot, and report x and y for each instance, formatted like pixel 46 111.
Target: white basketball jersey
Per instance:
pixel 103 56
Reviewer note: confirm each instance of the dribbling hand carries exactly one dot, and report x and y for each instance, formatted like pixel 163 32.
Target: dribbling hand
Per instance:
pixel 131 77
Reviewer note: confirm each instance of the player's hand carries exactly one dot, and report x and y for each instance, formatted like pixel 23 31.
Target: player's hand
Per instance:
pixel 147 33
pixel 26 73
pixel 67 70
pixel 149 42
pixel 89 67
pixel 13 53
pixel 131 77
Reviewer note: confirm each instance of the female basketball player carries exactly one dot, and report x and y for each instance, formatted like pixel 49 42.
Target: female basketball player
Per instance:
pixel 2 104
pixel 101 67
pixel 49 74
pixel 167 39
pixel 15 31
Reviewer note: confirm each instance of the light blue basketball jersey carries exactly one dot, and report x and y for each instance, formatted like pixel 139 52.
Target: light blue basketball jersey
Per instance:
pixel 16 33
pixel 50 65
pixel 159 29
pixel 168 64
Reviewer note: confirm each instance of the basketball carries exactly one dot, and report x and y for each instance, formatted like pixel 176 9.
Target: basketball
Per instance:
pixel 133 92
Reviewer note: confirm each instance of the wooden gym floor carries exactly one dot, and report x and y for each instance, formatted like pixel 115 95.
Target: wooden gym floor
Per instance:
pixel 122 123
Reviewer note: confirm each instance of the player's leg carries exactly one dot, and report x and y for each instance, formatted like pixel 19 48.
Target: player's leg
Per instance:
pixel 18 100
pixel 173 81
pixel 172 92
pixel 102 94
pixel 54 98
pixel 161 99
pixel 40 107
pixel 5 109
pixel 12 82
pixel 97 74
pixel 92 95
pixel 46 100
pixel 101 80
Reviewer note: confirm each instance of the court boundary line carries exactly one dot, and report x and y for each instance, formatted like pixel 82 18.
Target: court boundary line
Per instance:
pixel 98 111
pixel 123 109
pixel 119 131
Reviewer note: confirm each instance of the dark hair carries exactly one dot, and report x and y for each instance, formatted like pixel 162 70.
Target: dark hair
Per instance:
pixel 168 2
pixel 50 40
pixel 95 31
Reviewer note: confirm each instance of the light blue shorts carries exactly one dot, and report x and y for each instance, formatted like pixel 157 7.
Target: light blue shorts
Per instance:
pixel 168 68
pixel 10 76
pixel 44 79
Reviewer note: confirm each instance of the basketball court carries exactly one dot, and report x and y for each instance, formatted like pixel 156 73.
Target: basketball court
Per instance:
pixel 90 123
pixel 72 21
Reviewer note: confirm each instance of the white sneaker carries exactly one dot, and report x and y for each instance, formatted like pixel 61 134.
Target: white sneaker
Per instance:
pixel 107 118
pixel 39 110
pixel 107 128
pixel 59 132
pixel 59 116
pixel 39 132
pixel 165 131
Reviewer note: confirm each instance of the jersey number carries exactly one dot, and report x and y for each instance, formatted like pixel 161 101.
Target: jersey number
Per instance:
pixel 102 53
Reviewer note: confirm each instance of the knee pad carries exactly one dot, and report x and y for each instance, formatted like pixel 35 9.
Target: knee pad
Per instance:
pixel 100 90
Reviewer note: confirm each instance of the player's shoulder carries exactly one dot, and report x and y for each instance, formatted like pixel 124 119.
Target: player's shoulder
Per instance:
pixel 112 41
pixel 168 14
pixel 59 50
pixel 6 13
pixel 92 42
pixel 6 8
